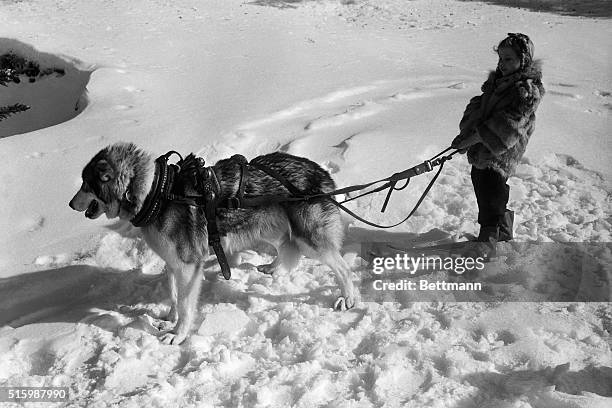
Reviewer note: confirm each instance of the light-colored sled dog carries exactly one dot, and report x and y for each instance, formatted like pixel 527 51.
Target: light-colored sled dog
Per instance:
pixel 120 180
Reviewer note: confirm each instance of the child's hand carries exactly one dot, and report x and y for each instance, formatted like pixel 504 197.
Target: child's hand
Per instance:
pixel 462 142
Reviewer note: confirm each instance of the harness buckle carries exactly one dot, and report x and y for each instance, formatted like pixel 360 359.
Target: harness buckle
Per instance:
pixel 421 168
pixel 210 195
pixel 233 203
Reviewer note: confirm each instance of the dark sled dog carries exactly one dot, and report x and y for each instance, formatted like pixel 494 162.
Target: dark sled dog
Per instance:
pixel 117 181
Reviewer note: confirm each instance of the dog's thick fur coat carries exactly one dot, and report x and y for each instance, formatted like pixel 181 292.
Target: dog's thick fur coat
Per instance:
pixel 119 178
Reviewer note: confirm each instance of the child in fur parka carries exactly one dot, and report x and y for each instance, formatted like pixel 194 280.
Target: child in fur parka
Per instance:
pixel 495 129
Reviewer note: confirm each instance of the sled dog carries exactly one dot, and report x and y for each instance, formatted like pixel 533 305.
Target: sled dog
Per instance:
pixel 118 180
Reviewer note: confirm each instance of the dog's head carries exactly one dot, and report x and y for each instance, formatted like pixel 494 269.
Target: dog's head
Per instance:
pixel 113 183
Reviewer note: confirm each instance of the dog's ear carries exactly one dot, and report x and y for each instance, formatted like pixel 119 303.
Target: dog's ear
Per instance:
pixel 104 170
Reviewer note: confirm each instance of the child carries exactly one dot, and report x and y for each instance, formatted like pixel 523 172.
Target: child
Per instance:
pixel 495 129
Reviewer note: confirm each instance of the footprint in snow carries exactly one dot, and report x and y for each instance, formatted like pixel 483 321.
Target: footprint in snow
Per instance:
pixel 480 356
pixel 35 155
pixel 346 93
pixel 506 337
pixel 285 147
pixel 122 107
pixel 417 94
pixel 344 145
pixel 132 89
pixel 459 85
pixel 352 113
pixel 429 91
pixel 332 167
pixel 565 94
pixel 565 85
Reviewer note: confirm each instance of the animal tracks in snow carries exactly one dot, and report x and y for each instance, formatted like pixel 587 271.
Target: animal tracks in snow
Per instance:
pixel 327 125
pixel 353 112
pixel 591 102
pixel 565 85
pixel 340 95
pixel 605 96
pixel 565 94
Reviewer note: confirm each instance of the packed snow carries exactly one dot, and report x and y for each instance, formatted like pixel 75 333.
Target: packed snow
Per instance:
pixel 365 88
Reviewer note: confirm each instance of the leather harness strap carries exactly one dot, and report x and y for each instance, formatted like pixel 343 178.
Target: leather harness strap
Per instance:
pixel 210 207
pixel 162 184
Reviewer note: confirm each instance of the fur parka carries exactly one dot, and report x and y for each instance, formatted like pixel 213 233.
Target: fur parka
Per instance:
pixel 504 117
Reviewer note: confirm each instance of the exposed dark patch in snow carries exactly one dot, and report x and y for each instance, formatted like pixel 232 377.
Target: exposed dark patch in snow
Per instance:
pixel 53 87
pixel 584 8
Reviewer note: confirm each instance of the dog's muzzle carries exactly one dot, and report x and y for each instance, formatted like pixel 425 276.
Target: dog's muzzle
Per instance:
pixel 87 202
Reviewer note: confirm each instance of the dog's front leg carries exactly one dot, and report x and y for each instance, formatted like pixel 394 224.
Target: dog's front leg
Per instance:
pixel 188 280
pixel 173 314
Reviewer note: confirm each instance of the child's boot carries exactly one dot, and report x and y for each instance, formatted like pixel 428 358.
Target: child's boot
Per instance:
pixel 488 233
pixel 486 243
pixel 505 226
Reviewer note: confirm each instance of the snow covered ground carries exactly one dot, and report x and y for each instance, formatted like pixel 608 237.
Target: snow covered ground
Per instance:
pixel 365 88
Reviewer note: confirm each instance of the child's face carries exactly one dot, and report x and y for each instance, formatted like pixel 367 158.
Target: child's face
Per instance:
pixel 509 62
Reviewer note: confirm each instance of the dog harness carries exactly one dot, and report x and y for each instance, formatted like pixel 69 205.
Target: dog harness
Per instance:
pixel 160 190
pixel 193 171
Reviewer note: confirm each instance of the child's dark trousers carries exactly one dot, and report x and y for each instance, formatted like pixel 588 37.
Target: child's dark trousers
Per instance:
pixel 492 194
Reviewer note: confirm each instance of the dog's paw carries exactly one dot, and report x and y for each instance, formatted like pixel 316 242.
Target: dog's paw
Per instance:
pixel 173 314
pixel 171 338
pixel 268 269
pixel 344 303
pixel 164 326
